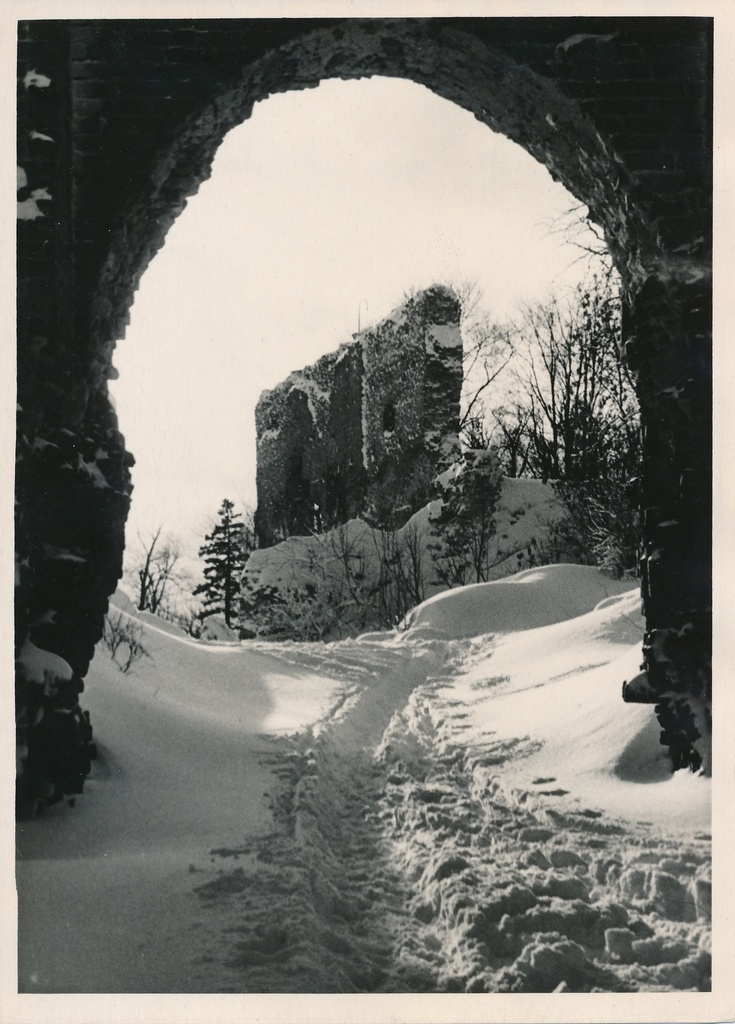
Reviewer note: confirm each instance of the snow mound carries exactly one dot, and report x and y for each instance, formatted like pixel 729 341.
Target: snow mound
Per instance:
pixel 121 601
pixel 162 625
pixel 529 599
pixel 356 578
pixel 215 628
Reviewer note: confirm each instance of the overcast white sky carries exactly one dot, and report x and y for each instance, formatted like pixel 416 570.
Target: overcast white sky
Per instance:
pixel 325 201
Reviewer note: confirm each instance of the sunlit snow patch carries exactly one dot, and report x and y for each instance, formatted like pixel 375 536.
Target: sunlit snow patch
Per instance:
pixel 531 598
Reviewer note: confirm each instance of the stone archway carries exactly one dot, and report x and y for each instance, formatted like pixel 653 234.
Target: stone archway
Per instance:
pixel 510 98
pixel 149 103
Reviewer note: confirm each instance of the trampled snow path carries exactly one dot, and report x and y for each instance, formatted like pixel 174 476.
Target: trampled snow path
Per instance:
pixel 374 816
pixel 199 750
pixel 409 866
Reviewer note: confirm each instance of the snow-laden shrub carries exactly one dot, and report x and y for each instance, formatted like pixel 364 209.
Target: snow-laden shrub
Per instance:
pixel 464 545
pixel 122 636
pixel 356 578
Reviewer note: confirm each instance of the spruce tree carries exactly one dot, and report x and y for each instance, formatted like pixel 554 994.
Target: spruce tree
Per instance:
pixel 465 547
pixel 225 552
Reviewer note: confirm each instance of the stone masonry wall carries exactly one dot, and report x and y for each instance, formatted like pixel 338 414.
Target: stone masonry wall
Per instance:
pixel 365 430
pixel 72 470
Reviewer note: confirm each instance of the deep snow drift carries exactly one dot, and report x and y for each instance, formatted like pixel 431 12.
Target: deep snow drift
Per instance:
pixel 463 806
pixel 350 579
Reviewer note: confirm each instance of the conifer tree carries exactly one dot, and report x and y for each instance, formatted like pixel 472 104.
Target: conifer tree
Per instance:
pixel 464 547
pixel 225 552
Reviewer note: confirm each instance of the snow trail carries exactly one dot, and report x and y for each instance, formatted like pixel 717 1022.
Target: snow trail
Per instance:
pixel 408 861
pixel 423 812
pixel 516 889
pixel 316 907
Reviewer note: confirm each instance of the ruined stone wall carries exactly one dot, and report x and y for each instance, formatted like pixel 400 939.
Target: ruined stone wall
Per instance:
pixel 295 445
pixel 411 425
pixel 365 430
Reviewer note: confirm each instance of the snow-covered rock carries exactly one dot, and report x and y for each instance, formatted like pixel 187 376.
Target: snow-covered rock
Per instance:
pixel 214 627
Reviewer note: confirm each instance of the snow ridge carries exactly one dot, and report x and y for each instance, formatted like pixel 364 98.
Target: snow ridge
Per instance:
pixel 411 860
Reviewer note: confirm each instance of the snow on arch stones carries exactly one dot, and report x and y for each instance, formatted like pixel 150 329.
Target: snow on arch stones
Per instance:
pixel 616 109
pixel 457 65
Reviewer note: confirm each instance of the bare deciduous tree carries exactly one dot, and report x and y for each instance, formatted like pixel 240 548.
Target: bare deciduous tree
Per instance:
pixel 573 410
pixel 510 437
pixel 572 417
pixel 487 351
pixel 156 574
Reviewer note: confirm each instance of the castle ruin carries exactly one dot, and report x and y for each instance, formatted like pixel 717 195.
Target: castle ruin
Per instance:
pixel 366 429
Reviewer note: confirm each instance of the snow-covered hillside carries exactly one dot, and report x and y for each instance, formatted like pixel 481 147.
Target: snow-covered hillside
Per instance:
pixel 464 806
pixel 354 577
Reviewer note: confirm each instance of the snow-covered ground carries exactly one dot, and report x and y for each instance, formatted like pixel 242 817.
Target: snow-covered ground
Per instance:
pixel 463 806
pixel 339 583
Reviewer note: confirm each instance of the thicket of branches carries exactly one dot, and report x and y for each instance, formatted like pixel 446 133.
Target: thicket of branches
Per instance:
pixel 338 584
pixel 569 414
pixel 123 638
